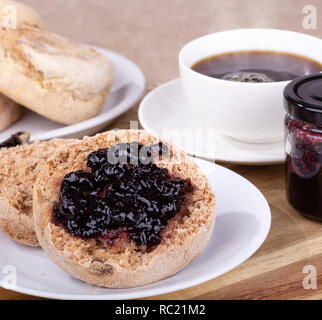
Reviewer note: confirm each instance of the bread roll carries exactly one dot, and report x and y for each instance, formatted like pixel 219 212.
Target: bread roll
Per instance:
pixel 11 13
pixel 55 77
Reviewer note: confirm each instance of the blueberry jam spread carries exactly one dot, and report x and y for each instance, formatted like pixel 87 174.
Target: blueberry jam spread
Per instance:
pixel 123 190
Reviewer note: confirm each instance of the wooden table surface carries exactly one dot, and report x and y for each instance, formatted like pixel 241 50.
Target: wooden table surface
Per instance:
pixel 151 33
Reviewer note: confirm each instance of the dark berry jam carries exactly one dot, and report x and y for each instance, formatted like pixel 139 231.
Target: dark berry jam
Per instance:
pixel 304 167
pixel 123 190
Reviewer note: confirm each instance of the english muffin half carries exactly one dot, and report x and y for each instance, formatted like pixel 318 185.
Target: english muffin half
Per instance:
pixel 19 168
pixel 55 77
pixel 122 209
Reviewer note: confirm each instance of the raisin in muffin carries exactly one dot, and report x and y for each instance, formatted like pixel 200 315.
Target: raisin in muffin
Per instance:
pixel 126 223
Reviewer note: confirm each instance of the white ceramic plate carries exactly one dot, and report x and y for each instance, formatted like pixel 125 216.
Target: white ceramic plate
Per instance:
pixel 241 227
pixel 166 112
pixel 127 89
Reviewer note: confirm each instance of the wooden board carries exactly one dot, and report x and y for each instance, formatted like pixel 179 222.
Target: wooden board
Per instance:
pixel 134 28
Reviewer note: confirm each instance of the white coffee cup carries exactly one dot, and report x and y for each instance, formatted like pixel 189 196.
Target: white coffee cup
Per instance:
pixel 251 112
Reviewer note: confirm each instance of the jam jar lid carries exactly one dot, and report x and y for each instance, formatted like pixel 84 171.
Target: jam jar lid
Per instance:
pixel 303 98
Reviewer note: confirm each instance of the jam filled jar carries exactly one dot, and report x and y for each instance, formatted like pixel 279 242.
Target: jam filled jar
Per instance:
pixel 303 145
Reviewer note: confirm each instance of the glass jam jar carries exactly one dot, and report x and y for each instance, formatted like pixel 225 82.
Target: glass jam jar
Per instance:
pixel 303 145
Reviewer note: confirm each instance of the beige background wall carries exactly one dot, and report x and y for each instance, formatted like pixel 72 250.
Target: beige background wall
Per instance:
pixel 151 32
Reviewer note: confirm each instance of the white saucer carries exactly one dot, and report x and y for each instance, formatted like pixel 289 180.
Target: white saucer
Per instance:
pixel 241 227
pixel 166 112
pixel 127 89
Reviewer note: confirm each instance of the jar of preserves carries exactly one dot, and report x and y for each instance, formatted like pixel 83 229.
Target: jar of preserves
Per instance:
pixel 303 145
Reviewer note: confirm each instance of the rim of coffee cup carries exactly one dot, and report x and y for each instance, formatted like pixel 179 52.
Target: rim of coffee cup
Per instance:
pixel 182 63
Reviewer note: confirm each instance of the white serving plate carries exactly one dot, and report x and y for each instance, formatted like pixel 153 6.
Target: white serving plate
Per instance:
pixel 127 89
pixel 243 221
